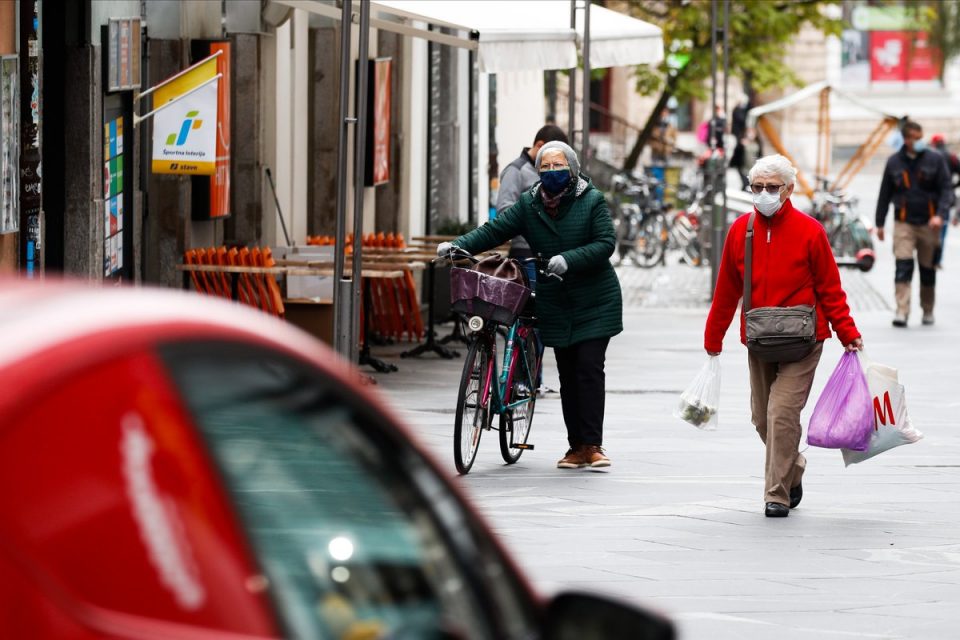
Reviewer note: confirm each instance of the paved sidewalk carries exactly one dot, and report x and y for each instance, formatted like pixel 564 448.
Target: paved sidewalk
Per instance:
pixel 677 522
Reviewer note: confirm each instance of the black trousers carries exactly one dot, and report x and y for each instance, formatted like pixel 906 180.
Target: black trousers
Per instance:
pixel 583 389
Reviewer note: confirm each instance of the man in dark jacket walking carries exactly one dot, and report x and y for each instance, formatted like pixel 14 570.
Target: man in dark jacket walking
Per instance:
pixel 520 175
pixel 917 182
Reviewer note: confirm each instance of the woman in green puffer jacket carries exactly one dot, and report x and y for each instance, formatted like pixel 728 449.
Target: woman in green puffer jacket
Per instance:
pixel 565 217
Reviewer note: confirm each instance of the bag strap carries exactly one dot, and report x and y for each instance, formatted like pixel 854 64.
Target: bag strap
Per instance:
pixel 748 264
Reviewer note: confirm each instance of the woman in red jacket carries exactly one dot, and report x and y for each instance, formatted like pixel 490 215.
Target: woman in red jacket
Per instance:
pixel 792 265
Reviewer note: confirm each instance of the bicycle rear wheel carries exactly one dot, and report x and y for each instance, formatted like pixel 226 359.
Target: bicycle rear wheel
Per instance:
pixel 472 414
pixel 515 423
pixel 649 245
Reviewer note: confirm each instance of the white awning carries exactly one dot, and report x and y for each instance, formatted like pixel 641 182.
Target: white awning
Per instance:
pixel 514 35
pixel 617 40
pixel 509 35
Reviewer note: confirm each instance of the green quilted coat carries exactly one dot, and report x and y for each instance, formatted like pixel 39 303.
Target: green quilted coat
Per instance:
pixel 587 304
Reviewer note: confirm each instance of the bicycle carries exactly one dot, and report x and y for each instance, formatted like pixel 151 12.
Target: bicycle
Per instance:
pixel 639 223
pixel 846 230
pixel 647 229
pixel 512 393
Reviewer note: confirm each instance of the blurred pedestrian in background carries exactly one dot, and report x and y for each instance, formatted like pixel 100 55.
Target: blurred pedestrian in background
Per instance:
pixel 749 149
pixel 938 142
pixel 738 127
pixel 663 139
pixel 566 217
pixel 916 181
pixel 792 264
pixel 718 126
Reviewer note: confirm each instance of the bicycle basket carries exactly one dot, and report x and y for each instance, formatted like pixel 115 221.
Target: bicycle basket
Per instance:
pixel 494 299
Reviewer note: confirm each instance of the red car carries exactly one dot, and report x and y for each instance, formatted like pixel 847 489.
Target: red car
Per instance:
pixel 182 467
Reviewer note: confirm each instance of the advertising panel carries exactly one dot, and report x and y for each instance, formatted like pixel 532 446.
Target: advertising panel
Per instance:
pixel 185 131
pixel 113 196
pixel 903 56
pixel 378 123
pixel 220 180
pixel 9 154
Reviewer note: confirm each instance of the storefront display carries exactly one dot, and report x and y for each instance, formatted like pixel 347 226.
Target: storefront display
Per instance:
pixel 9 154
pixel 113 196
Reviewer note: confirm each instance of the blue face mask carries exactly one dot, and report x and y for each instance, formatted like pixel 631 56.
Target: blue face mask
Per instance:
pixel 555 181
pixel 919 146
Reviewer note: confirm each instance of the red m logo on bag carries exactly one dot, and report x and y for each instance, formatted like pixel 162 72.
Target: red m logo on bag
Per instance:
pixel 884 413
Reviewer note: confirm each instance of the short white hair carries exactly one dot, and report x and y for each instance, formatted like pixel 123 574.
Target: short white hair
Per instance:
pixel 775 165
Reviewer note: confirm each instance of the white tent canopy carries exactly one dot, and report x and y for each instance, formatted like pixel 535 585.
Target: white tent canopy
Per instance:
pixel 514 35
pixel 812 90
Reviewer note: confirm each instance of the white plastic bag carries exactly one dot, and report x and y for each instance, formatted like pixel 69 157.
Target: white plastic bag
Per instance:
pixel 891 423
pixel 700 402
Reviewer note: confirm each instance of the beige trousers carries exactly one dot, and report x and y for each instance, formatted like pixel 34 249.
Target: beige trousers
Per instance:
pixel 922 240
pixel 778 393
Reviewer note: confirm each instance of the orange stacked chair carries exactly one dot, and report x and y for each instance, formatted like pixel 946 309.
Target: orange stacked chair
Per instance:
pixel 255 289
pixel 407 289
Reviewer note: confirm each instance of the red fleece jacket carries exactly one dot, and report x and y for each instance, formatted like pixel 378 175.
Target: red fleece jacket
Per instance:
pixel 792 264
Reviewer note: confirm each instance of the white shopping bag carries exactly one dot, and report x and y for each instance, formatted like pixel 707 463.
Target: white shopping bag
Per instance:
pixel 699 403
pixel 891 423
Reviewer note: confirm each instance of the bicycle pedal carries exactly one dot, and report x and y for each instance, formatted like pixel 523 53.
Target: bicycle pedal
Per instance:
pixel 523 447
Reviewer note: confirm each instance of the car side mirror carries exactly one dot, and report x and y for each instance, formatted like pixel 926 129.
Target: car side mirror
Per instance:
pixel 581 616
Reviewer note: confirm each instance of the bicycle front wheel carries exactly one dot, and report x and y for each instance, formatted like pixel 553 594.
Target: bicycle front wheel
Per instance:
pixel 515 423
pixel 650 244
pixel 473 414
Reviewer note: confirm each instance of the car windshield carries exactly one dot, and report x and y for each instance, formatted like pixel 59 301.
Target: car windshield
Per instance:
pixel 351 542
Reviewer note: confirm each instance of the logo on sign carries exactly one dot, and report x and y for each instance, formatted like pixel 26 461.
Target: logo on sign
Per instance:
pixel 189 123
pixel 883 413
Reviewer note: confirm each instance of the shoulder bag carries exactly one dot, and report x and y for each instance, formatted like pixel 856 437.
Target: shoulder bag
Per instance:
pixel 775 334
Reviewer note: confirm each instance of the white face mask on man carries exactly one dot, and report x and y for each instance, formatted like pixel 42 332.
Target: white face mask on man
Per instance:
pixel 767 203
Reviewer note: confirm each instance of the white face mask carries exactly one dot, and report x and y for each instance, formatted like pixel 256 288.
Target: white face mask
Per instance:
pixel 767 203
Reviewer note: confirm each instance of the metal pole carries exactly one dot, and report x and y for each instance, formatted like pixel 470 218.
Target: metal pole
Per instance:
pixel 585 125
pixel 572 85
pixel 720 230
pixel 715 217
pixel 473 177
pixel 359 175
pixel 341 292
pixel 276 202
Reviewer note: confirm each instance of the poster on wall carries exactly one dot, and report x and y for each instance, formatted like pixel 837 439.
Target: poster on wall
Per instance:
pixel 113 196
pixel 9 154
pixel 378 122
pixel 886 44
pixel 220 180
pixel 185 130
pixel 903 56
pixel 855 58
pixel 123 54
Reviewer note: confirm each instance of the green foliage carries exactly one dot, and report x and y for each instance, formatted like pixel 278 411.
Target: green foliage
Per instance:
pixel 760 31
pixel 454 228
pixel 942 19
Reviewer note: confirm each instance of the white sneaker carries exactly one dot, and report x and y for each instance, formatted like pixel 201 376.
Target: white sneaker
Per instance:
pixel 900 320
pixel 928 319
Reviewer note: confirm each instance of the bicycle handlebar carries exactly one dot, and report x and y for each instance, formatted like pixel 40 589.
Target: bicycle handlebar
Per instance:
pixel 456 253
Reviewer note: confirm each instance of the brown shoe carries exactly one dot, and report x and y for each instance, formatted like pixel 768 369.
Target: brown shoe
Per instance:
pixel 594 457
pixel 573 459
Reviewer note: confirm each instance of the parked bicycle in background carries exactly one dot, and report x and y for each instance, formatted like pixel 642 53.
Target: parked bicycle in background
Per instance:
pixel 847 231
pixel 647 227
